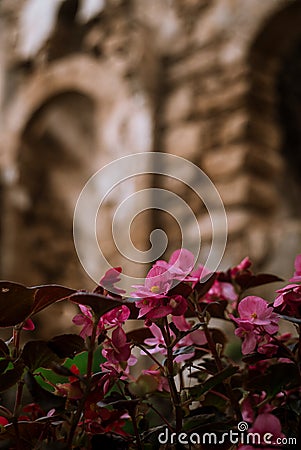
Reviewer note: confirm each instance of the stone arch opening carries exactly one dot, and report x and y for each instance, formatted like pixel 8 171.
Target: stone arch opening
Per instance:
pixel 56 146
pixel 275 105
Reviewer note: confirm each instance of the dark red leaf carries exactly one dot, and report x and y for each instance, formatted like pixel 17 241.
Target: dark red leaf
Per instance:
pixel 4 350
pixel 16 303
pixel 246 280
pixel 48 294
pixel 28 433
pixel 181 289
pixel 37 354
pixel 11 377
pixel 215 309
pixel 100 304
pixel 139 335
pixel 66 345
pixel 204 285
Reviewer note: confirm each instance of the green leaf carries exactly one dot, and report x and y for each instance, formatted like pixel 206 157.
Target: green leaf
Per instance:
pixel 45 399
pixel 16 303
pixel 66 345
pixel 3 364
pixel 210 383
pixel 11 377
pixel 37 354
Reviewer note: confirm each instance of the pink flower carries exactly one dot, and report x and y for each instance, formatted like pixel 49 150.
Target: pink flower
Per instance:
pixel 256 323
pixel 221 291
pixel 246 331
pixel 111 277
pixel 157 284
pixel 256 311
pixel 153 308
pixel 116 316
pixel 268 428
pixel 28 325
pixel 180 263
pixel 249 405
pixel 297 275
pixel 244 265
pixel 116 349
pixel 289 300
pixel 85 319
pixel 3 421
pixel 194 339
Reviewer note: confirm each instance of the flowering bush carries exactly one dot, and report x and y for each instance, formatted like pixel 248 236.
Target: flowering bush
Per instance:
pixel 174 375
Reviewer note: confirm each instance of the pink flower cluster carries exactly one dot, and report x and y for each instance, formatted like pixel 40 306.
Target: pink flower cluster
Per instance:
pixel 157 298
pixel 288 301
pixel 257 323
pixel 116 348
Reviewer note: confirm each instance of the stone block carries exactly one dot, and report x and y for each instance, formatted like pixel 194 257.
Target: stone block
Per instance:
pixel 246 190
pixel 234 128
pixel 178 105
pixel 226 162
pixel 238 221
pixel 183 140
pixel 197 63
pixel 226 98
pixel 231 160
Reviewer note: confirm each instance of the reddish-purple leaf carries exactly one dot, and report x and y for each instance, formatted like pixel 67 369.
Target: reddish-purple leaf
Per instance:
pixel 66 345
pixel 139 335
pixel 4 350
pixel 246 280
pixel 11 377
pixel 205 284
pixel 100 304
pixel 215 309
pixel 48 294
pixel 181 289
pixel 16 303
pixel 37 354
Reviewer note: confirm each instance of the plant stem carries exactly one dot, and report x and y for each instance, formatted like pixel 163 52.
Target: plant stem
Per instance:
pixel 91 350
pixel 161 416
pixel 219 366
pixel 136 431
pixel 149 354
pixel 81 406
pixel 16 341
pixel 18 398
pixel 175 397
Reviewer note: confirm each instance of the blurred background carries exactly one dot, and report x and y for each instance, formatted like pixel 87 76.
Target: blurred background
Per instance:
pixel 83 82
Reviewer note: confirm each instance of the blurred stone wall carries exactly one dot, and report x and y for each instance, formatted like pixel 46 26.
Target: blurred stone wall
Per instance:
pixel 83 82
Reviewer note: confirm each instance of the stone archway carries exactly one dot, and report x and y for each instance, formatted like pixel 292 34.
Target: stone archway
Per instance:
pixel 53 163
pixel 122 124
pixel 272 106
